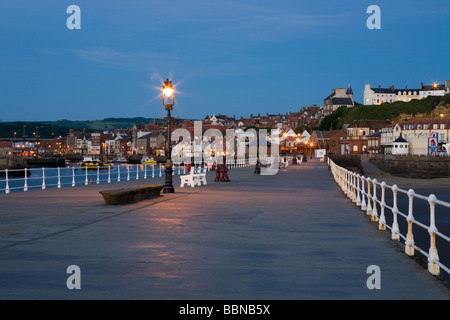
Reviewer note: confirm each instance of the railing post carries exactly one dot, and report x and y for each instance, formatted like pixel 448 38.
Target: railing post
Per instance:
pixel 25 186
pixel 43 178
pixel 433 256
pixel 109 174
pixel 73 176
pixel 7 182
pixel 128 172
pixel 86 181
pixel 358 195
pixel 382 221
pixel 395 230
pixel 153 170
pixel 363 194
pixel 137 172
pixel 347 183
pixel 351 187
pixel 118 173
pixel 98 175
pixel 374 207
pixel 409 242
pixel 59 177
pixel 160 171
pixel 145 171
pixel 369 197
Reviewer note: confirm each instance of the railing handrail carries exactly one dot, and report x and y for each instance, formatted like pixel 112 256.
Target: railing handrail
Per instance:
pixel 362 191
pixel 102 174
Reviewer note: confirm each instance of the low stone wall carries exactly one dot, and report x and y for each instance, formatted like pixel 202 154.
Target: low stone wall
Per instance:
pixel 412 166
pixel 12 163
pixel 351 162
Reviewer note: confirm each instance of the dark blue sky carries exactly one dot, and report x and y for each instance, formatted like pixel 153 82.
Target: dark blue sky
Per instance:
pixel 232 57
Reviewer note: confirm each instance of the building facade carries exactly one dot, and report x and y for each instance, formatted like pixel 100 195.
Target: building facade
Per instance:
pixel 339 97
pixel 377 96
pixel 419 135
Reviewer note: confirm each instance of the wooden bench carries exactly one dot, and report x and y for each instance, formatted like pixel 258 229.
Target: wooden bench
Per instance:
pixel 193 179
pixel 131 194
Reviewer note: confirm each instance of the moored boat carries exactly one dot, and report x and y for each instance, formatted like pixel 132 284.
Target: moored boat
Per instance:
pixel 120 160
pixel 90 162
pixel 147 160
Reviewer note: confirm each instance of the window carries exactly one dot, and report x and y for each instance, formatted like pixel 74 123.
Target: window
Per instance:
pixel 355 148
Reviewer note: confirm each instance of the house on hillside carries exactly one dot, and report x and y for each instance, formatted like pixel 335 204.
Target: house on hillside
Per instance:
pixel 339 97
pixel 377 96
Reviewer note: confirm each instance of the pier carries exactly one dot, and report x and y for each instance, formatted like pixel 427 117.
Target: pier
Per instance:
pixel 294 236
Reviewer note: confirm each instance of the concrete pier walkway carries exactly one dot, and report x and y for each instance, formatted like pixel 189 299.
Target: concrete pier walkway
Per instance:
pixel 290 236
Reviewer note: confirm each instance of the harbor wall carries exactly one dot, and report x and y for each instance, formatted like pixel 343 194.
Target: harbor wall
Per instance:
pixel 12 163
pixel 425 167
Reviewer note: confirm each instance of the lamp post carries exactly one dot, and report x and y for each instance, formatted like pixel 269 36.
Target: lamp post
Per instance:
pixel 285 142
pixel 168 98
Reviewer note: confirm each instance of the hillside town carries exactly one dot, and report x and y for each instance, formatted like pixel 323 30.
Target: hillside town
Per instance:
pixel 298 131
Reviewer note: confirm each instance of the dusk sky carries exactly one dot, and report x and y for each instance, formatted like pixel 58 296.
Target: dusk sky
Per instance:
pixel 229 57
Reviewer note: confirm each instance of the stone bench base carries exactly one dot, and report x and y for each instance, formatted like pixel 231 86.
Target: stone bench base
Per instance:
pixel 131 194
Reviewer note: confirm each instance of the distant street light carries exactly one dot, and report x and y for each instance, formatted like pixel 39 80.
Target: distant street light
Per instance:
pixel 168 97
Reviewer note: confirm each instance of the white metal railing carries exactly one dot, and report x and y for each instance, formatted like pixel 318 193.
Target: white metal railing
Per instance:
pixel 42 178
pixel 363 192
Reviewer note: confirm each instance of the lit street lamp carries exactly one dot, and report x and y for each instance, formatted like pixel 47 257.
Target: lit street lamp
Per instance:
pixel 168 97
pixel 285 142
